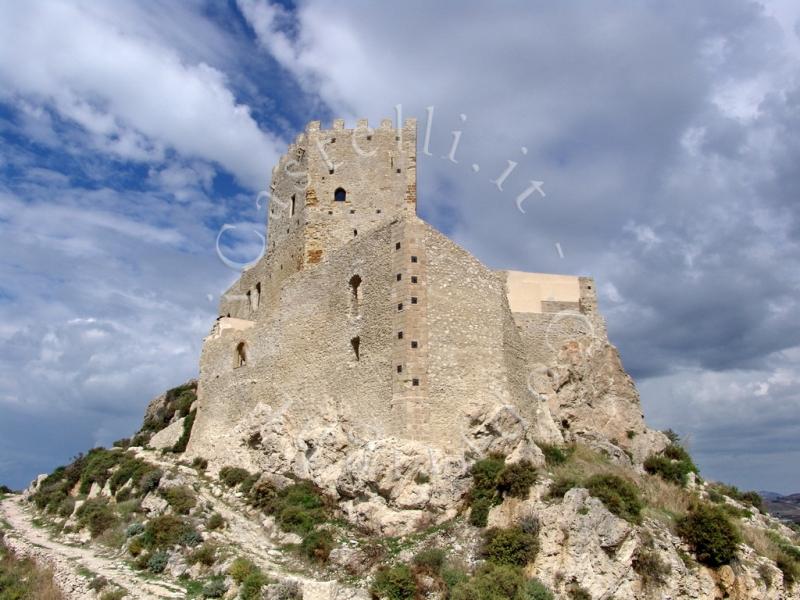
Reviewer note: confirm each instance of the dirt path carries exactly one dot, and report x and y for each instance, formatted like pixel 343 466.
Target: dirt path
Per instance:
pixel 26 539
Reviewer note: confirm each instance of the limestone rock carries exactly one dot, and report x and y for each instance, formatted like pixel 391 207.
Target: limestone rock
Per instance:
pixel 167 437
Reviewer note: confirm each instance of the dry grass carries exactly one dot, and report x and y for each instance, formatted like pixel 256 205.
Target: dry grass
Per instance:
pixel 759 540
pixel 23 578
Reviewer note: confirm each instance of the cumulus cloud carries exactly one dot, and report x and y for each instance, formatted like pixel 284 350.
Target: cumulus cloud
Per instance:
pixel 135 96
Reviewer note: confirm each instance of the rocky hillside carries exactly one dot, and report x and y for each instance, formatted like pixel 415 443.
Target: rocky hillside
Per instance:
pixel 140 520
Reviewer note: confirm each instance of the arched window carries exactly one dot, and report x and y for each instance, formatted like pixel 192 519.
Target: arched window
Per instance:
pixel 241 355
pixel 340 195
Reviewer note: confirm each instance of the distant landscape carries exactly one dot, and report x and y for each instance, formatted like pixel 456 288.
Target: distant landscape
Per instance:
pixel 782 507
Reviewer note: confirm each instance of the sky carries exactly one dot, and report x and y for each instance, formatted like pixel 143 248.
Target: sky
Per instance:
pixel 653 146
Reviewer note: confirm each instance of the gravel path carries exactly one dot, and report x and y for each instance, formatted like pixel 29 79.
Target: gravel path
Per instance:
pixel 26 539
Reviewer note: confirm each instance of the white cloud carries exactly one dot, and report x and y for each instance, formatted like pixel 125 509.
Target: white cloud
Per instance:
pixel 131 93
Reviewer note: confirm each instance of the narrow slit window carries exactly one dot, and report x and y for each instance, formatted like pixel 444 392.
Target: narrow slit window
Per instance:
pixel 258 295
pixel 294 204
pixel 355 291
pixel 356 344
pixel 355 232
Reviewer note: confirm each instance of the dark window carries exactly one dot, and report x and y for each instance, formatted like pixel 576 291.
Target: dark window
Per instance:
pixel 399 276
pixel 293 204
pixel 355 232
pixel 400 306
pixel 339 195
pixel 414 344
pixel 413 279
pixel 355 289
pixel 397 246
pixel 415 382
pixel 399 335
pixel 330 171
pixel 352 211
pixel 413 299
pixel 413 259
pixel 241 355
pixel 398 170
pixel 399 368
pixel 356 343
pixel 379 212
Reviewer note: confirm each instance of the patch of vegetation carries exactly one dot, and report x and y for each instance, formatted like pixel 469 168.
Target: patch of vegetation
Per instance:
pixel 576 592
pixel 205 555
pixel 22 578
pixel 200 463
pixel 214 588
pixel 483 494
pixel 650 567
pixel 115 594
pixel 789 567
pixel 97 515
pixel 555 455
pixel 165 531
pixel 620 496
pixel 181 499
pixel 233 476
pixel 394 583
pixel 711 535
pixel 511 546
pixel 249 577
pixel 157 562
pixel 500 582
pixel 561 485
pixel 97 468
pixel 188 423
pixel 130 469
pixel 516 479
pixel 317 545
pixel 177 401
pixel 298 508
pixel 673 465
pixel 215 521
pixel 716 490
pixel 431 560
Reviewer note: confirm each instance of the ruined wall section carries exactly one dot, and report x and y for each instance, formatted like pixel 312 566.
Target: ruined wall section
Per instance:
pixel 376 168
pixel 302 365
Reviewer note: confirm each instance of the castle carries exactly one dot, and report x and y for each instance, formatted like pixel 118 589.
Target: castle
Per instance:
pixel 363 319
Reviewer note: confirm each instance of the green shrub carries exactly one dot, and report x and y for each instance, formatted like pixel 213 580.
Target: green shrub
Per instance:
pixel 561 485
pixel 492 582
pixel 180 498
pixel 789 567
pixel 157 562
pixel 710 534
pixel 620 496
pixel 717 489
pixel 248 483
pixel 251 586
pixel 317 545
pixel 232 476
pixel 453 575
pixel 296 519
pixel 191 537
pixel 555 455
pixel 134 529
pixel 135 546
pixel 149 481
pixel 650 567
pixel 263 495
pixel 479 511
pixel 66 507
pixel 536 590
pixel 215 521
pixel 240 568
pixel 510 546
pixel 673 465
pixel 97 584
pixel 188 423
pixel 165 531
pixel 97 468
pixel 97 515
pixel 177 400
pixel 484 493
pixel 205 555
pixel 430 560
pixel 130 469
pixel 215 588
pixel 200 463
pixel 394 583
pixel 516 479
